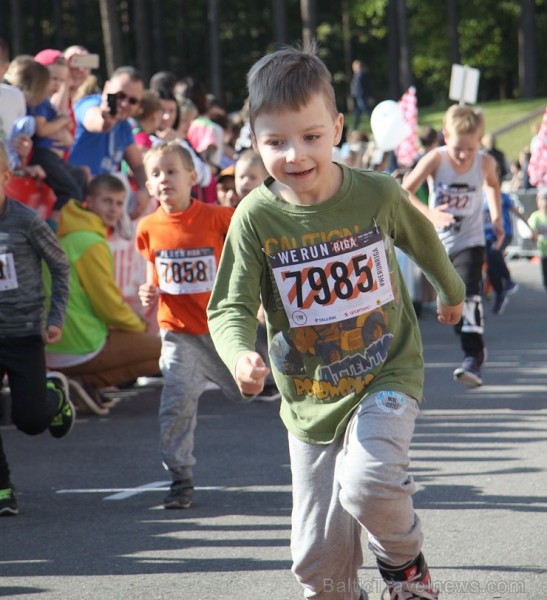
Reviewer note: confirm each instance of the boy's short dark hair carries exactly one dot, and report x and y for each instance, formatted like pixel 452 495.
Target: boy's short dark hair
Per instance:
pixel 288 78
pixel 105 180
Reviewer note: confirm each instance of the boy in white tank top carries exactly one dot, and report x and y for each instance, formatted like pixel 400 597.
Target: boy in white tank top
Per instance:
pixel 458 174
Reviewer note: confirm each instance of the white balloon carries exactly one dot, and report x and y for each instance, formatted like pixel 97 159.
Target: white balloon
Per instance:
pixel 388 125
pixel 524 230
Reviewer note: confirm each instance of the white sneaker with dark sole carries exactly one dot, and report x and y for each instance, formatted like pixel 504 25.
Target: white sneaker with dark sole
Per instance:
pixel 469 373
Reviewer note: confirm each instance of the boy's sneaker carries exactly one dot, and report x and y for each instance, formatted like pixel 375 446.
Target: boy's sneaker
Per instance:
pixel 411 582
pixel 470 372
pixel 511 287
pixel 8 503
pixel 501 300
pixel 180 495
pixel 269 394
pixel 63 421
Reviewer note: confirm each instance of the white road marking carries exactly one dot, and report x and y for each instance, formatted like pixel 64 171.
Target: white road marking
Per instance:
pixel 123 493
pixel 23 562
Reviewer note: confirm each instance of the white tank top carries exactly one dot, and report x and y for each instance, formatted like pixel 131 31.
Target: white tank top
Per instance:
pixel 464 194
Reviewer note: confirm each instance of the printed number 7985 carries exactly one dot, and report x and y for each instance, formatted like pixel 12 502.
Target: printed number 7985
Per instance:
pixel 343 287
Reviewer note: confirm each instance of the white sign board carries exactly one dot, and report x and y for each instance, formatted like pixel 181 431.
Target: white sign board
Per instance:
pixel 464 84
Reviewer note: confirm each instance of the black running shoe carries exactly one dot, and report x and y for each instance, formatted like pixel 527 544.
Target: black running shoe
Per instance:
pixel 8 503
pixel 180 495
pixel 63 421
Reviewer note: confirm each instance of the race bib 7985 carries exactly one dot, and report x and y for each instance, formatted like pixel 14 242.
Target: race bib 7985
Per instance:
pixel 333 281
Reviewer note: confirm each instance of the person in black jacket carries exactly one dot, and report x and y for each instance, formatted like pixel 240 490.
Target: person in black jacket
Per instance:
pixel 360 92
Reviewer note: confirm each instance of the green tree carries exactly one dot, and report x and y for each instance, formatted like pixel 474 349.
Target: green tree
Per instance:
pixel 111 35
pixel 527 49
pixel 401 41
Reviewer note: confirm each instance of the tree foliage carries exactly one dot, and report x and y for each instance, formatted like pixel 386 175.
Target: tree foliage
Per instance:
pixel 176 35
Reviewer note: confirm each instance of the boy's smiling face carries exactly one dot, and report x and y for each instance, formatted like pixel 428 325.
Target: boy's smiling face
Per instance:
pixel 296 148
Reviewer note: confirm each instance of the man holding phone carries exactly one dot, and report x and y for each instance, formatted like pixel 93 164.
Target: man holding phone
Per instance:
pixel 103 135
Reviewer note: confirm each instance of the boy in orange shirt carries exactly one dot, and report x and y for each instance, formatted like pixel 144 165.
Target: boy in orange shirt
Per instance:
pixel 182 242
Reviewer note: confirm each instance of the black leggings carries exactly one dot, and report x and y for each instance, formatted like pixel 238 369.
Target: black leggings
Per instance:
pixel 468 263
pixel 32 405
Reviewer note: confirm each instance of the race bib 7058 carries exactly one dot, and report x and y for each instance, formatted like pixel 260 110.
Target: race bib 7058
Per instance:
pixel 333 281
pixel 188 271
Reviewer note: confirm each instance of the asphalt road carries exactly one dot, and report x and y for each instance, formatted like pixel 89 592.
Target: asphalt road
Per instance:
pixel 91 525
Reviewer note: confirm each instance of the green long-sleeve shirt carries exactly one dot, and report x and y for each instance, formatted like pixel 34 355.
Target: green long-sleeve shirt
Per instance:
pixel 340 320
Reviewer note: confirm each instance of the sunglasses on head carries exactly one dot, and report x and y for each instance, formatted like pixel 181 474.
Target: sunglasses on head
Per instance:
pixel 121 96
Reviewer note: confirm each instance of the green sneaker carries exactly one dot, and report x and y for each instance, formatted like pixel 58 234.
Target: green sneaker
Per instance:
pixel 8 503
pixel 63 421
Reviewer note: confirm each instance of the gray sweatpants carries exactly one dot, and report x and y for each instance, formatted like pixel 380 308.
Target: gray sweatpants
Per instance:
pixel 357 482
pixel 187 363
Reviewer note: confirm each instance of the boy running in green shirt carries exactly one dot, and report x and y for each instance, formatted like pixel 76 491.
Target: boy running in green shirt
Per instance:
pixel 316 244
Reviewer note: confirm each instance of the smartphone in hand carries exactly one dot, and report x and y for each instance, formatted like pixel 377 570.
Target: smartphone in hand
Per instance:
pixel 85 61
pixel 112 103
